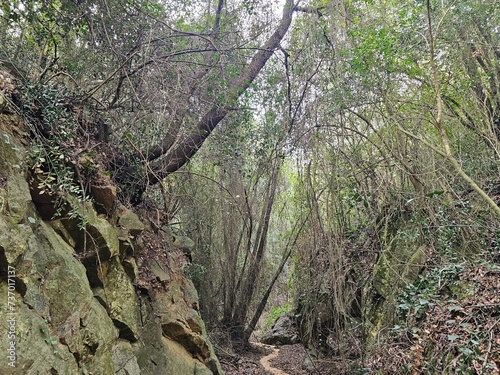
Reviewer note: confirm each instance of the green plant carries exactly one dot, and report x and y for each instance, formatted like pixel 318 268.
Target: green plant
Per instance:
pixel 51 159
pixel 417 297
pixel 275 313
pixel 51 340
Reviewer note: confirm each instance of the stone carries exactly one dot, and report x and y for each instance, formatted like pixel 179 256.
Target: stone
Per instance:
pixel 76 309
pixel 159 355
pixel 99 235
pixel 130 267
pixel 50 335
pixel 176 309
pixel 399 264
pixel 63 232
pixel 184 243
pixel 18 198
pixel 396 267
pixel 104 198
pixel 13 239
pixel 283 331
pixel 118 288
pixel 181 333
pixel 124 359
pixel 158 271
pixel 130 221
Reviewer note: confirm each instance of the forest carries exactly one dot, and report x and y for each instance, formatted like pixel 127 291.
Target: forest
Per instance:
pixel 336 162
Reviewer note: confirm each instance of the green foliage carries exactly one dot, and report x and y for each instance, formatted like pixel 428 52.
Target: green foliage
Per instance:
pixel 52 160
pixel 275 313
pixel 349 76
pixel 417 297
pixel 48 108
pixel 50 340
pixel 37 34
pixel 454 317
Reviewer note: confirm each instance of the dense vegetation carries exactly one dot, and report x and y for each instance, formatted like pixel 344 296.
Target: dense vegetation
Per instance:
pixel 339 158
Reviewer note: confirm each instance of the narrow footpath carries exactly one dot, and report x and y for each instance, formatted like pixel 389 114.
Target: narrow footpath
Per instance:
pixel 266 360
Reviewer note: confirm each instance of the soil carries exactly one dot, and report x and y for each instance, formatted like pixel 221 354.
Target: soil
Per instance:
pixel 261 359
pixel 246 362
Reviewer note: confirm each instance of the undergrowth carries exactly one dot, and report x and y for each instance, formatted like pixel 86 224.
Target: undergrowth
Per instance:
pixel 275 313
pixel 54 159
pixel 449 324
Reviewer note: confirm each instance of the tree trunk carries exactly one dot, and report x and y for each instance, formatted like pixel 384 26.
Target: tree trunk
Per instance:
pixel 248 284
pixel 174 156
pixel 263 302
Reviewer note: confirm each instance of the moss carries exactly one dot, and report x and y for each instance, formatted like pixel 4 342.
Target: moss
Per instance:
pixel 397 266
pixel 61 327
pixel 118 288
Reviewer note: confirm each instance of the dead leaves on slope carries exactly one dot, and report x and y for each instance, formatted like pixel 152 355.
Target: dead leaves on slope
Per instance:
pixel 458 334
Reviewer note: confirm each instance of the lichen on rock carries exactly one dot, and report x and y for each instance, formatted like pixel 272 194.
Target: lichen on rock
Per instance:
pixel 77 305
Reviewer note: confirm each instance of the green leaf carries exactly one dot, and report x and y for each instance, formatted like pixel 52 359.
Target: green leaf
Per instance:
pixel 453 337
pixel 435 193
pixel 466 351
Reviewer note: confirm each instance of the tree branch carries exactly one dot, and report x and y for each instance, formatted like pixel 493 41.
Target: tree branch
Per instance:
pixel 183 151
pixel 310 10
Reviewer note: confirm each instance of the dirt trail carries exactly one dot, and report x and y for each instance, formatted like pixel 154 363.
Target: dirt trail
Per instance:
pixel 266 361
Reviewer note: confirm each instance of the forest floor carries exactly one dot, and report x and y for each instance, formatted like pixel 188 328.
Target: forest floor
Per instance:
pixel 458 333
pixel 261 359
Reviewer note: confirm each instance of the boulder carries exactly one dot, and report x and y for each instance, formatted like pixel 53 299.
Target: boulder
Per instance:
pixel 130 221
pixel 118 288
pixel 104 197
pixel 282 332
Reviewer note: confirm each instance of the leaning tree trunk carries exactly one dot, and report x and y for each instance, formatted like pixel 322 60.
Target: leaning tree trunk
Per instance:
pixel 170 155
pixel 263 302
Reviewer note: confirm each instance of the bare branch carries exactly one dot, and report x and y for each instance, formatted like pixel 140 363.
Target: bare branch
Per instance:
pixel 183 151
pixel 310 10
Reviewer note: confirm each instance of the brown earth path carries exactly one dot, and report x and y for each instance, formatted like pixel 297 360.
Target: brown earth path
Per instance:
pixel 266 360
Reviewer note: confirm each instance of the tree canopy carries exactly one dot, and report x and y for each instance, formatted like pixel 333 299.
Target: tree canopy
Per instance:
pixel 301 144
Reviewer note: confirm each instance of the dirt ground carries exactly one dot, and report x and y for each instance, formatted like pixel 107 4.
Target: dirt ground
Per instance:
pixel 260 359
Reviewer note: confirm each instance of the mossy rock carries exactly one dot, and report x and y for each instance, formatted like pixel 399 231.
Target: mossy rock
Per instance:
pixel 121 300
pixel 76 309
pixel 130 221
pixel 397 267
pixel 399 264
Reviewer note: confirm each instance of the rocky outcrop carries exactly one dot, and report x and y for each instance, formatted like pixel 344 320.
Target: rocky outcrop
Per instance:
pixel 399 264
pixel 283 332
pixel 75 299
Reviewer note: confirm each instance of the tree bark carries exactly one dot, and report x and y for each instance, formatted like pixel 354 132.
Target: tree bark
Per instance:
pixel 174 156
pixel 263 302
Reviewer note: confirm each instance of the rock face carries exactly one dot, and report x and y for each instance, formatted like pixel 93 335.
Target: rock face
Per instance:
pixel 283 331
pixel 399 264
pixel 70 296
